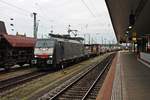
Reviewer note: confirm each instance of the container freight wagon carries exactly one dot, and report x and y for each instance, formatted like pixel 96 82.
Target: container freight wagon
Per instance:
pixel 93 49
pixel 14 49
pixel 57 51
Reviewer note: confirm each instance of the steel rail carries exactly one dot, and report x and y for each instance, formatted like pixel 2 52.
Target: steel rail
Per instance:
pixel 94 83
pixel 76 80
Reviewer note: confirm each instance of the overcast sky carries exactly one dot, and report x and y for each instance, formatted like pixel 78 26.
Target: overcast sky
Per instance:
pixel 86 16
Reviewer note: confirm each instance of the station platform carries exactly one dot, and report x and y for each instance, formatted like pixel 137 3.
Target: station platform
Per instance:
pixel 127 79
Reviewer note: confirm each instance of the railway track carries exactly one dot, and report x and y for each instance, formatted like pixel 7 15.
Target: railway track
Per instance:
pixel 14 69
pixel 18 80
pixel 84 87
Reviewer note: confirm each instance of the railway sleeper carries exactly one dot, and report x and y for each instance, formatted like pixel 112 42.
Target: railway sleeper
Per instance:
pixel 68 97
pixel 96 89
pixel 93 94
pixel 75 93
pixel 78 89
pixel 91 99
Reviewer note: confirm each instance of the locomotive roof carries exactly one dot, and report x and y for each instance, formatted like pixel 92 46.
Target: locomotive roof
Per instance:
pixel 66 40
pixel 20 41
pixel 92 44
pixel 60 39
pixel 66 37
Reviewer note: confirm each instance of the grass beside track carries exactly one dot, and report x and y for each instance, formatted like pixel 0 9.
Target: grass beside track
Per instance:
pixel 48 82
pixel 16 73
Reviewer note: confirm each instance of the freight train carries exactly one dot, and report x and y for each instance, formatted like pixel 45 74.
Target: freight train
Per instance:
pixel 58 50
pixel 94 49
pixel 14 49
pixel 53 52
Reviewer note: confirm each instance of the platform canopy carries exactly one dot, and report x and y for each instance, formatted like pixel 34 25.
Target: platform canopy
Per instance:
pixel 120 10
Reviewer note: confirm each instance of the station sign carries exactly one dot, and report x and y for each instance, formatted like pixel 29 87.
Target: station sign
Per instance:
pixel 134 39
pixel 134 34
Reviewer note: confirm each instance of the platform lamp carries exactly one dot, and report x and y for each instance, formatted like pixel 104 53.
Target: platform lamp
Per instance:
pixel 131 20
pixel 130 27
pixel 131 24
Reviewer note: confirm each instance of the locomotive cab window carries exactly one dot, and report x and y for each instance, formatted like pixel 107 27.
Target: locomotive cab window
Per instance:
pixel 44 46
pixel 44 43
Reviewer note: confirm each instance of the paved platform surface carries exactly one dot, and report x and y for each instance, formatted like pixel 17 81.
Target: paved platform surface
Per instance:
pixel 132 79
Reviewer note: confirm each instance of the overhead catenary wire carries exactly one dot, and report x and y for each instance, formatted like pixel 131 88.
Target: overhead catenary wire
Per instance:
pixel 43 13
pixel 14 6
pixel 18 8
pixel 22 10
pixel 88 8
pixel 97 11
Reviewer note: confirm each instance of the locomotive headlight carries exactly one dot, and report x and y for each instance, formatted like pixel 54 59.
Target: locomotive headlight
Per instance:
pixel 50 56
pixel 35 56
pixel 44 49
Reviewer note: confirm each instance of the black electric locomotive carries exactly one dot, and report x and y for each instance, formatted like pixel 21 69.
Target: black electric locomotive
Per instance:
pixel 57 51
